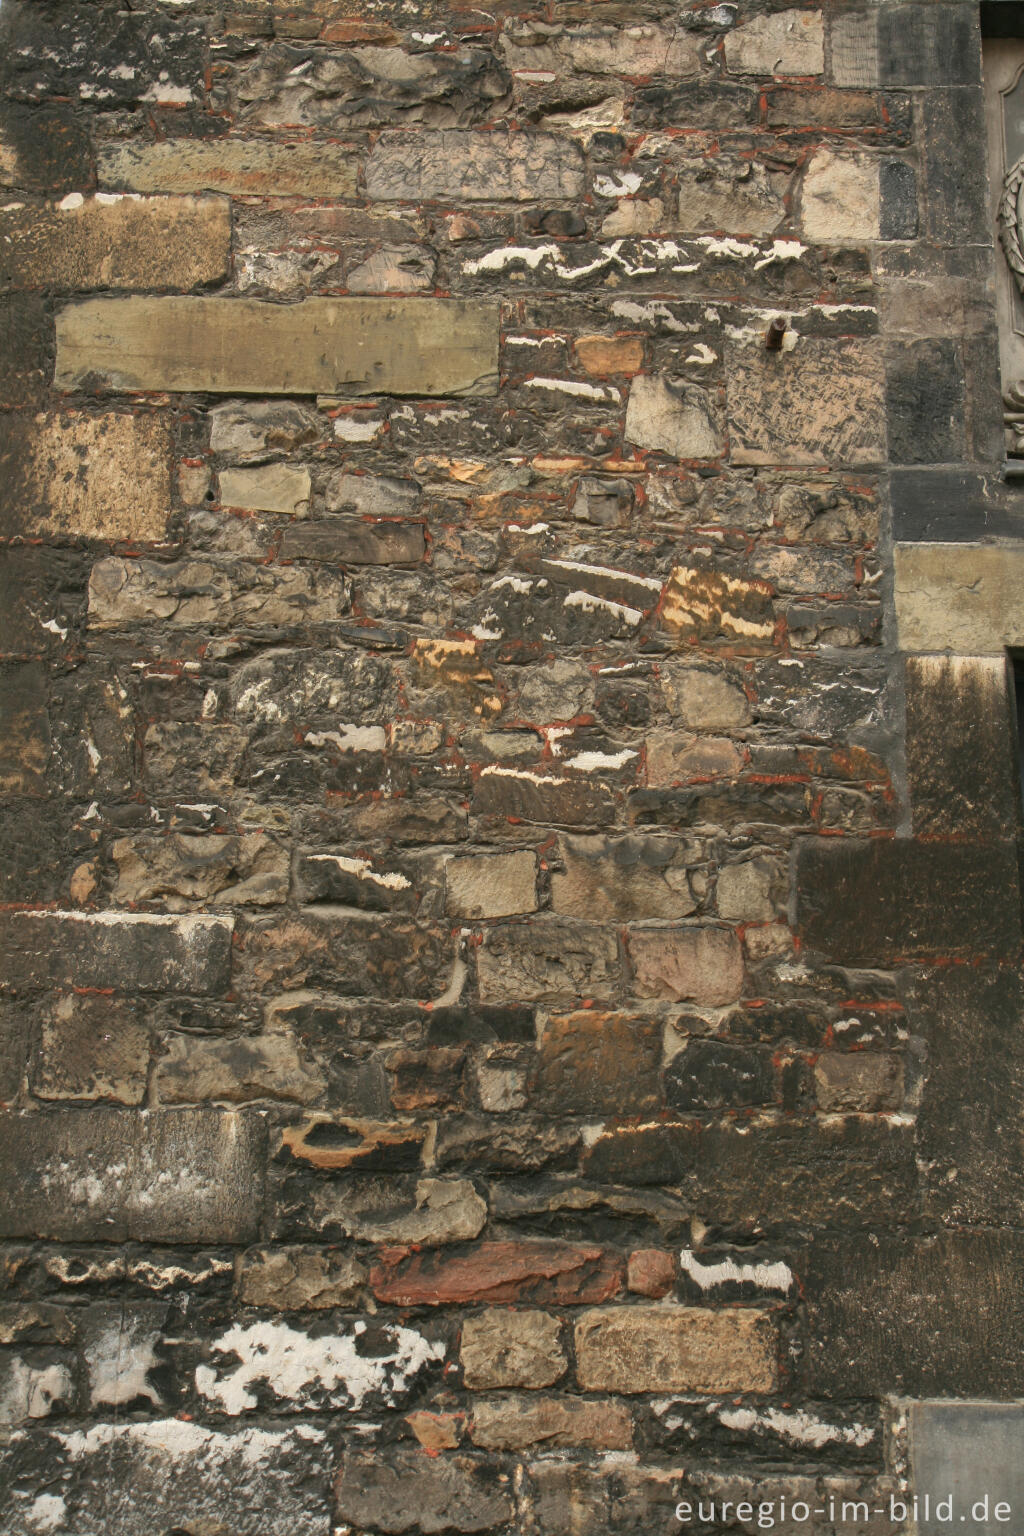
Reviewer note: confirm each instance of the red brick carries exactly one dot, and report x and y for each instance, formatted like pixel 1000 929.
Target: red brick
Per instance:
pixel 559 1273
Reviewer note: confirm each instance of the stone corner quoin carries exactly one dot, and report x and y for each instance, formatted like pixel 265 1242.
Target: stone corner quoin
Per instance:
pixel 509 887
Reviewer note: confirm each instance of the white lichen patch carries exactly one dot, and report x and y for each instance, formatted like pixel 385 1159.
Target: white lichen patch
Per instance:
pixel 299 1370
pixel 798 1428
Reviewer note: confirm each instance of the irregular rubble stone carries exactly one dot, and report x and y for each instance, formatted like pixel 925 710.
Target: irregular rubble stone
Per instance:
pixel 491 885
pixel 680 419
pixel 181 870
pixel 271 488
pixel 544 1273
pixel 621 879
pixel 702 604
pixel 195 592
pixel 403 1209
pixel 300 1279
pixel 351 543
pixel 863 1081
pixel 92 1048
pixel 553 961
pixel 592 1062
pixel 235 1071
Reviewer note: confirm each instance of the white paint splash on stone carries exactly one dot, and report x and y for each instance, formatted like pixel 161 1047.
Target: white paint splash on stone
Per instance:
pixel 589 603
pixel 47 1513
pixel 296 1368
pixel 574 387
pixel 363 870
pixel 767 1277
pixel 590 762
pixel 350 738
pixel 799 1427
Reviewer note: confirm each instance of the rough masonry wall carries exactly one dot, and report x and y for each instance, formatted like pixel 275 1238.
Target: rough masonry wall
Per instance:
pixel 510 1014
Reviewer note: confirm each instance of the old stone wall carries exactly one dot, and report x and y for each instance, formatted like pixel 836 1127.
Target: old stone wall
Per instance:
pixel 510 1006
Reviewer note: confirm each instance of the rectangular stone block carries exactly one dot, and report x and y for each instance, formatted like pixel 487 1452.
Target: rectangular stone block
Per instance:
pixel 925 396
pixel 126 951
pixel 72 475
pixel 967 598
pixel 283 488
pixel 703 965
pixel 172 1176
pixel 545 798
pixel 460 166
pixel 348 542
pixel 961 750
pixel 920 1315
pixel 241 346
pixel 214 593
pixel 244 167
pixel 112 241
pixel 969 1453
pixel 823 403
pixel 675 1349
pixel 548 961
pixel 559 1274
pixel 877 902
pixel 165 1474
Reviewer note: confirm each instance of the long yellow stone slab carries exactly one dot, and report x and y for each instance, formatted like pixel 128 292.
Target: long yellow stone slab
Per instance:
pixel 413 347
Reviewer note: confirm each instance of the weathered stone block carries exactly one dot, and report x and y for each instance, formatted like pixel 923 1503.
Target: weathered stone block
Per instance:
pixel 965 598
pixel 94 477
pixel 871 903
pixel 593 1062
pixel 668 1349
pixel 237 1070
pixel 925 393
pixel 180 870
pixel 743 892
pixel 601 356
pixel 675 757
pixel 400 1208
pixel 128 1476
pixel 270 488
pixel 350 955
pixel 126 951
pixel 473 167
pixel 172 1176
pixel 215 593
pixel 356 543
pixel 554 1274
pixel 865 1082
pixel 516 1423
pixel 26 346
pixel 511 1349
pixel 699 696
pixel 824 402
pixel 711 1074
pixel 702 965
pixel 736 196
pixel 246 167
pixel 840 198
pixel 548 961
pixel 116 242
pixel 787 43
pixel 621 879
pixel 300 1279
pixel 33 1387
pixel 675 418
pixel 322 346
pixel 415 1492
pixel 491 885
pixel 544 798
pixel 92 1048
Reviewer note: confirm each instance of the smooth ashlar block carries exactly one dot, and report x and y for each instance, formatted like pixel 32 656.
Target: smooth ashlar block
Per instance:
pixel 412 347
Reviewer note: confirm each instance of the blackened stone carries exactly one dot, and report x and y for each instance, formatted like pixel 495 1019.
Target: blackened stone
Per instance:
pixel 958 211
pixel 132 952
pixel 925 395
pixel 928 45
pixel 26 349
pixel 169 1475
pixel 919 1315
pixel 52 152
pixel 175 1175
pixel 413 1492
pixel 852 1432
pixel 961 759
pixel 952 506
pixel 898 191
pixel 874 903
pixel 969 1119
pixel 34 851
pixel 771 1175
pixel 560 222
pixel 710 1075
pixel 42 598
pixel 479 1024
pixel 713 106
pixel 15 1031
